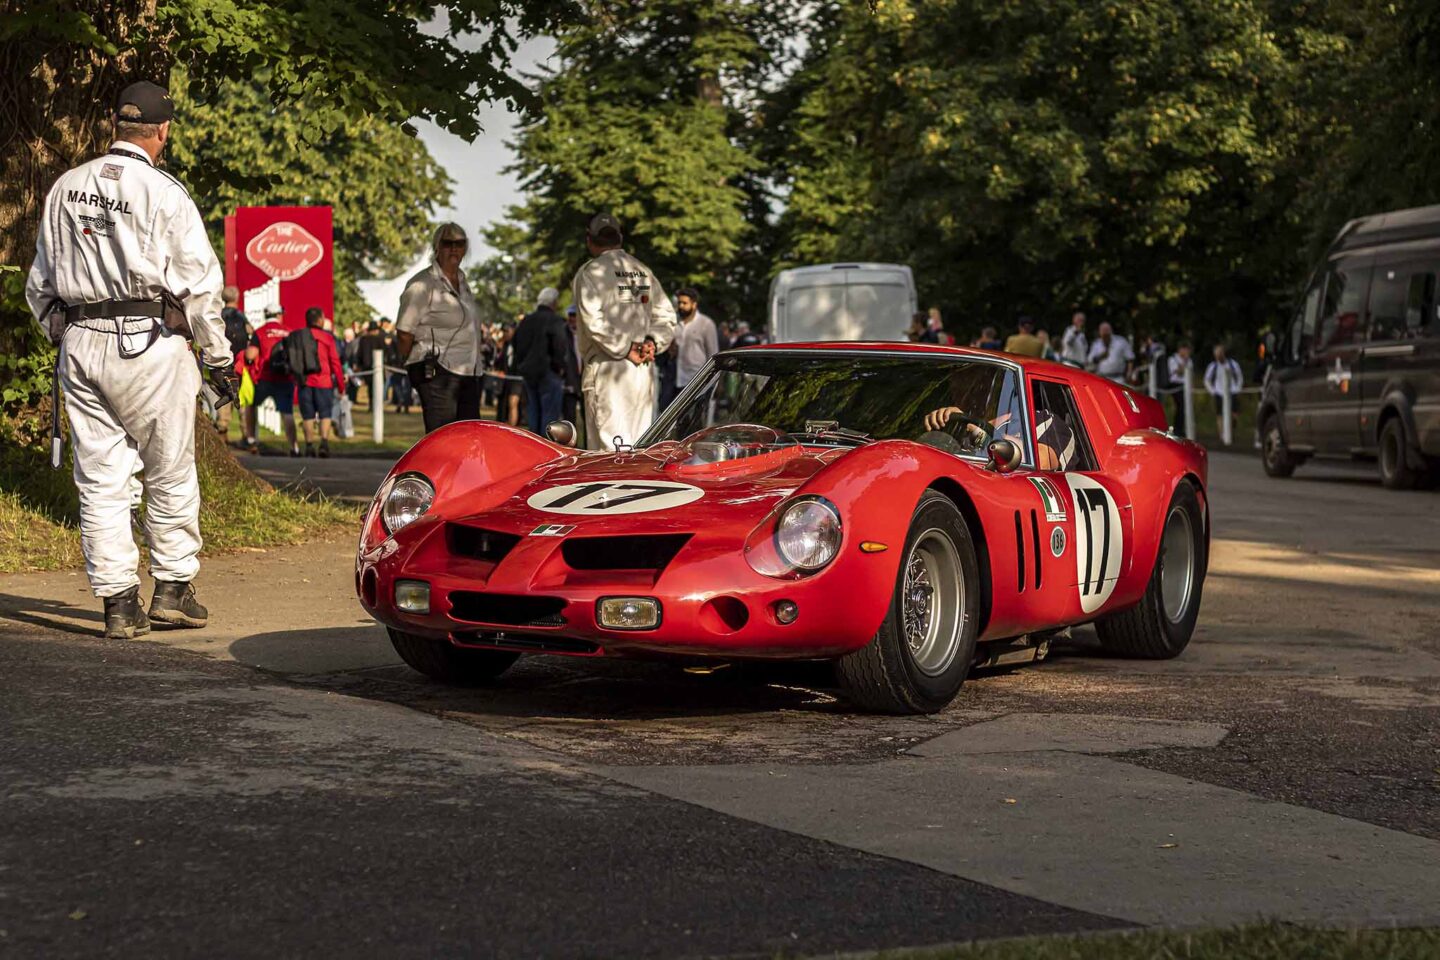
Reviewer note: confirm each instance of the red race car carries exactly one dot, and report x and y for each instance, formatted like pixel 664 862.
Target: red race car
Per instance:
pixel 907 511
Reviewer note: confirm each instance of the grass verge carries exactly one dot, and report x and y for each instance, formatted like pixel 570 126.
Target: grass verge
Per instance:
pixel 1260 942
pixel 39 509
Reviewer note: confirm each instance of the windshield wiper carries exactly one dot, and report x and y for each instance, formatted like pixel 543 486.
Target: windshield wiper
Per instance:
pixel 833 434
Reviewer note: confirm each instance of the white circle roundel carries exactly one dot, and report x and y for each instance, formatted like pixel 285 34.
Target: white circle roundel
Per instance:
pixel 606 498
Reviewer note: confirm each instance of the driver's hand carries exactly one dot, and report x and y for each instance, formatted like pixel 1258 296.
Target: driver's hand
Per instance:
pixel 936 419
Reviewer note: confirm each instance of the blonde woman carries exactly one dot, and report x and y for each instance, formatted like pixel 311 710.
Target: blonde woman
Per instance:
pixel 437 331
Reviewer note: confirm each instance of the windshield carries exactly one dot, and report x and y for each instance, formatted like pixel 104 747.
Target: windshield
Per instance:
pixel 846 398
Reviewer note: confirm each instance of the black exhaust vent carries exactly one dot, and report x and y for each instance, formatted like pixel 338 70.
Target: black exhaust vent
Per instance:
pixel 1035 538
pixel 644 552
pixel 480 544
pixel 1019 553
pixel 507 610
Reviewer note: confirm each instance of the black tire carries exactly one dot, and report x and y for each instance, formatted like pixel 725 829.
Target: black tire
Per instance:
pixel 443 661
pixel 1274 454
pixel 1146 631
pixel 886 675
pixel 1396 473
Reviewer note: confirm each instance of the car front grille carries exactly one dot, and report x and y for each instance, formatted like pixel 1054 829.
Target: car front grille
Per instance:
pixel 514 641
pixel 508 610
pixel 478 543
pixel 639 552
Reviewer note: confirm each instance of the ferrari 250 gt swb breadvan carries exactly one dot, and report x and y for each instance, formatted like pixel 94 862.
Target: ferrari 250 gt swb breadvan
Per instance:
pixel 906 511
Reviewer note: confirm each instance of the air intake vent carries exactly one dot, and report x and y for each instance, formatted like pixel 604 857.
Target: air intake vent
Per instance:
pixel 507 610
pixel 479 544
pixel 1035 540
pixel 1019 553
pixel 646 552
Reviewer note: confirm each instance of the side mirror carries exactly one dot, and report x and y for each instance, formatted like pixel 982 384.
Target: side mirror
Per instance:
pixel 562 432
pixel 1004 455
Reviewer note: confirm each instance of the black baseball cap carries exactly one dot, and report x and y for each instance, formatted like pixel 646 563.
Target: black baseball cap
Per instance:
pixel 150 99
pixel 605 228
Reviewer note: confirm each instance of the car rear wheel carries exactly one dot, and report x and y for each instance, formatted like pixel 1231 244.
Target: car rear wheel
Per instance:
pixel 1160 626
pixel 443 661
pixel 922 652
pixel 1395 470
pixel 1278 460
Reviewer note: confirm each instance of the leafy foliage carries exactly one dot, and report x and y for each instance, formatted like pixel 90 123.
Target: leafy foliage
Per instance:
pixel 381 182
pixel 641 119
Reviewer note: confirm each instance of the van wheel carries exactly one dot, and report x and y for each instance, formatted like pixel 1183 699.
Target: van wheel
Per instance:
pixel 1395 470
pixel 1278 460
pixel 1160 626
pixel 443 661
pixel 922 652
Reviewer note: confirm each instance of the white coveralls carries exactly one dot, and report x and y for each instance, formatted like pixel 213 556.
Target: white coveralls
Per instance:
pixel 117 228
pixel 620 303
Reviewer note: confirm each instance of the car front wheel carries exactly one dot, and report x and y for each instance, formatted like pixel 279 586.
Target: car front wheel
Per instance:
pixel 1278 460
pixel 443 661
pixel 1159 627
pixel 922 652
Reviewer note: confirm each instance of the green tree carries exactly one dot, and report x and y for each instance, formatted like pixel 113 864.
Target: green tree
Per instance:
pixel 641 119
pixel 62 62
pixel 382 183
pixel 1029 156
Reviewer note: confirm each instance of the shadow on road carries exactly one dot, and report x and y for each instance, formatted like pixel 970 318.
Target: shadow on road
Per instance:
pixel 54 614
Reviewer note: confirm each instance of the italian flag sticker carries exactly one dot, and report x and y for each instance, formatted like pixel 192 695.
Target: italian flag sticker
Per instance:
pixel 1050 498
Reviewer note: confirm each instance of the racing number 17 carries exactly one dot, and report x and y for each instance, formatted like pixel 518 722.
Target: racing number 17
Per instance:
pixel 602 502
pixel 1089 502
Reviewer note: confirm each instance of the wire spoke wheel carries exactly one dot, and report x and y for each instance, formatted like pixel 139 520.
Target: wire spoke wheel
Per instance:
pixel 932 601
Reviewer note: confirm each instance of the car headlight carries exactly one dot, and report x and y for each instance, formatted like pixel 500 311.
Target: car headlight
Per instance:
pixel 409 497
pixel 807 535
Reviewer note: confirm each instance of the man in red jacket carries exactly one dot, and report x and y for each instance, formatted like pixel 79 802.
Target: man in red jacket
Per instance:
pixel 272 379
pixel 318 388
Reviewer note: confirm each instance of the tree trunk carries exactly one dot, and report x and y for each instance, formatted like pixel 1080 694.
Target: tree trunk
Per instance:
pixel 58 97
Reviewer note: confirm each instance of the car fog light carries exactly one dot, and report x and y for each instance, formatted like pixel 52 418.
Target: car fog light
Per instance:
pixel 628 613
pixel 786 611
pixel 412 596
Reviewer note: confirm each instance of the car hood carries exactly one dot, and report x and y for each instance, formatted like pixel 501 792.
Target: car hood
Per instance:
pixel 650 491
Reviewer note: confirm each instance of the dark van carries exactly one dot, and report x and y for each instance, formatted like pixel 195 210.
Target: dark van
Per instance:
pixel 1357 374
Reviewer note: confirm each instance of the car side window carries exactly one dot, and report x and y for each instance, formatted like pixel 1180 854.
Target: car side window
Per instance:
pixel 1060 438
pixel 1302 334
pixel 1344 305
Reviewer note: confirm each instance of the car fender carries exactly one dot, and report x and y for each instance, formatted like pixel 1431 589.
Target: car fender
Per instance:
pixel 1399 397
pixel 876 488
pixel 469 463
pixel 1152 465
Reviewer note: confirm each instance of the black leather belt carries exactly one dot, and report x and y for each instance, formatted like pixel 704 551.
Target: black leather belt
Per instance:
pixel 110 309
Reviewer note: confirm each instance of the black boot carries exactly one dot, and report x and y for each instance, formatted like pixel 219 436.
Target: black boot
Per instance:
pixel 175 604
pixel 124 617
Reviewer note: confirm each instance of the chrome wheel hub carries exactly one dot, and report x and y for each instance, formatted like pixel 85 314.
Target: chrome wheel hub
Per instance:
pixel 1177 565
pixel 932 602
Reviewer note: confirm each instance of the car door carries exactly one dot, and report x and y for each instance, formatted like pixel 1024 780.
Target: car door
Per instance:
pixel 1333 396
pixel 1393 361
pixel 1086 515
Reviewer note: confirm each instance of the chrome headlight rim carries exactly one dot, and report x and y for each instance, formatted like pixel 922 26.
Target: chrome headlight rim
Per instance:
pixel 408 481
pixel 802 503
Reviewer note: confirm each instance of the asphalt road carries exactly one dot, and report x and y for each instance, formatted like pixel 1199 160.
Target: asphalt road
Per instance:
pixel 278 783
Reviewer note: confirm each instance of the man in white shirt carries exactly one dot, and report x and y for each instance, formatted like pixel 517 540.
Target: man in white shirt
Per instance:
pixel 125 277
pixel 1223 376
pixel 1180 364
pixel 1111 355
pixel 696 338
pixel 625 320
pixel 1074 347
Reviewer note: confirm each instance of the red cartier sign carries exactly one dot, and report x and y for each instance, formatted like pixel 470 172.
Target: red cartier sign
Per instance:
pixel 293 245
pixel 285 250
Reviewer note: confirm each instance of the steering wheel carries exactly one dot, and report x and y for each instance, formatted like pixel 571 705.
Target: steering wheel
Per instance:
pixel 960 420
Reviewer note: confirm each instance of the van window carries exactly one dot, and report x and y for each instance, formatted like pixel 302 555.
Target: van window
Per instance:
pixel 1302 333
pixel 1400 298
pixel 1344 306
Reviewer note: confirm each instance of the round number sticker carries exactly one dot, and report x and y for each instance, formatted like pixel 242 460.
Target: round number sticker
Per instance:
pixel 610 497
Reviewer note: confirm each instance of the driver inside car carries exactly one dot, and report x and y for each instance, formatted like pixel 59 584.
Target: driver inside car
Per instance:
pixel 1054 440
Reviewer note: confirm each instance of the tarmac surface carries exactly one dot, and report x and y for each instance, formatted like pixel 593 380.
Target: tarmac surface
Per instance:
pixel 280 783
